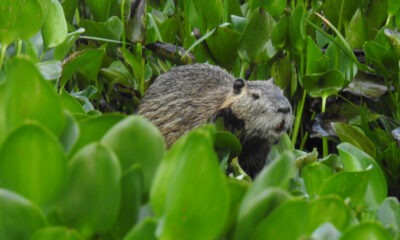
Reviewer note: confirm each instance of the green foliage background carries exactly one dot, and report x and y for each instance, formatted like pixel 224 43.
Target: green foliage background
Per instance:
pixel 76 164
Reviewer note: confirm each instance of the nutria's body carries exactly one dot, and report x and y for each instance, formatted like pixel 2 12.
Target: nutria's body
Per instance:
pixel 191 95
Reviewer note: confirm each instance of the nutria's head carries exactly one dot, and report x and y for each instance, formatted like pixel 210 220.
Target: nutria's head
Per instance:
pixel 263 108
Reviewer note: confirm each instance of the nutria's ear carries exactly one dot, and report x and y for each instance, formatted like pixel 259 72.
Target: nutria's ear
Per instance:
pixel 238 85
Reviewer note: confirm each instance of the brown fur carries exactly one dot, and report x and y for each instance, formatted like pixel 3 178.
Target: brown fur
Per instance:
pixel 188 96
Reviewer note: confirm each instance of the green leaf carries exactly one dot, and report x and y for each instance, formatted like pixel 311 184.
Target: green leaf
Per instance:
pixel 355 136
pixel 131 199
pixel 54 29
pixel 281 223
pixel 87 62
pixel 297 29
pixel 29 97
pixel 61 50
pixel 50 70
pixel 191 212
pixel 100 9
pixel 265 193
pixel 227 140
pixel 91 199
pixel 138 142
pixel 70 103
pixel 59 233
pixel 19 217
pixel 356 160
pixel 33 164
pixel 368 230
pixel 330 209
pixel 237 190
pixel 316 62
pixel 258 209
pixel 347 184
pixel 145 230
pixel 356 30
pixel 323 84
pixel 70 134
pixel 280 33
pixel 388 214
pixel 253 45
pixel 93 129
pixel 302 218
pixel 19 19
pixel 274 7
pixel 314 176
pixel 223 44
pixel 110 29
pixel 210 14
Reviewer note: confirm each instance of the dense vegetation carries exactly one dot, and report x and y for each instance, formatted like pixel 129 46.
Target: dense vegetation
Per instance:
pixel 75 165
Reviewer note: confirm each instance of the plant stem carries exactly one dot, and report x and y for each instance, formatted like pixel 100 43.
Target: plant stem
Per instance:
pixel 299 114
pixel 123 24
pixel 3 49
pixel 324 139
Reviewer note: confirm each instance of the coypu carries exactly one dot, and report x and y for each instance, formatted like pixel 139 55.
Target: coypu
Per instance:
pixel 192 95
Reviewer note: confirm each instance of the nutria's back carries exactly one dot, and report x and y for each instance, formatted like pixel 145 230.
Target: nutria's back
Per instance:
pixel 189 96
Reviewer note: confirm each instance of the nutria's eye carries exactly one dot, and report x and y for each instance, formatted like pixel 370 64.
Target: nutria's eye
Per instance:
pixel 238 85
pixel 255 96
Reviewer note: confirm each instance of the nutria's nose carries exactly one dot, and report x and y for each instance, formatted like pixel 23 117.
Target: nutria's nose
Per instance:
pixel 284 110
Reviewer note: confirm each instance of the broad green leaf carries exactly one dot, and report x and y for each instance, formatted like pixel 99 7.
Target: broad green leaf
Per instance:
pixel 367 230
pixel 69 7
pixel 394 38
pixel 356 30
pixel 62 49
pixel 92 195
pixel 274 7
pixel 70 103
pixel 265 193
pixel 50 70
pixel 237 190
pixel 29 97
pixel 190 212
pixel 375 16
pixel 316 62
pixel 388 214
pixel 223 44
pixel 210 14
pixel 227 140
pixel 280 33
pixel 87 62
pixel 145 230
pixel 19 218
pixel 258 209
pixel 339 9
pixel 131 199
pixel 351 134
pixel 314 176
pixel 339 60
pixel 70 134
pixel 19 19
pixel 297 218
pixel 356 160
pixel 323 84
pixel 330 209
pixel 393 7
pixel 110 29
pixel 54 29
pixel 136 141
pixel 288 221
pixel 93 129
pixel 297 29
pixel 347 184
pixel 59 233
pixel 100 9
pixel 118 72
pixel 33 164
pixel 253 43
